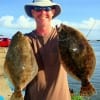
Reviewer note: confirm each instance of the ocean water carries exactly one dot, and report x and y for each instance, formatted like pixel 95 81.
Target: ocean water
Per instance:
pixel 95 79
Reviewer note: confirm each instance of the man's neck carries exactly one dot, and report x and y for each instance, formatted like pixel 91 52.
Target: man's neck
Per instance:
pixel 44 31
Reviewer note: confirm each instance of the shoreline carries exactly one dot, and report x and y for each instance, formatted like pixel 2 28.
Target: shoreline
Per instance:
pixel 5 90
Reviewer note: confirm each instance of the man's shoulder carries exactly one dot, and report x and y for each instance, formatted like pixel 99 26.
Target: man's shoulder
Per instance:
pixel 30 34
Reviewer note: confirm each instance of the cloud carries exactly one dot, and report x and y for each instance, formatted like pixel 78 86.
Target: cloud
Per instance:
pixel 86 24
pixel 21 23
pixel 9 25
pixel 6 21
pixel 26 23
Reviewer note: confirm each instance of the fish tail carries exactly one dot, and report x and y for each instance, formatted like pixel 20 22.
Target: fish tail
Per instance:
pixel 17 96
pixel 87 90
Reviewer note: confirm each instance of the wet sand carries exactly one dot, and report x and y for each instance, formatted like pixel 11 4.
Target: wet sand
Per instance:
pixel 5 90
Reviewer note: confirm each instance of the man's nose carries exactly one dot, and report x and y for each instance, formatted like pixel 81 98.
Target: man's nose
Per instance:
pixel 43 11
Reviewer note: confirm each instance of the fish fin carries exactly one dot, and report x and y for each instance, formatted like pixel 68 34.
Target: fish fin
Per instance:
pixel 87 90
pixel 17 96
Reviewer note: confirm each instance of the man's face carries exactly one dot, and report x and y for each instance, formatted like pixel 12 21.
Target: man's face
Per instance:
pixel 43 15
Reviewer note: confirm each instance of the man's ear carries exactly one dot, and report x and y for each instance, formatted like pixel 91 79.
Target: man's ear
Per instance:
pixel 32 12
pixel 53 11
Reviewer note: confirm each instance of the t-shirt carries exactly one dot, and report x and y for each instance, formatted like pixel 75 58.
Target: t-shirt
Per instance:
pixel 51 80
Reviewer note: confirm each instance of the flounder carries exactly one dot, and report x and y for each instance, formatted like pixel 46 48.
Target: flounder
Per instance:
pixel 20 64
pixel 77 56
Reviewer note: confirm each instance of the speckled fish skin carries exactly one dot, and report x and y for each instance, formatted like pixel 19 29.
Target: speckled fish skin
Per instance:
pixel 20 64
pixel 78 57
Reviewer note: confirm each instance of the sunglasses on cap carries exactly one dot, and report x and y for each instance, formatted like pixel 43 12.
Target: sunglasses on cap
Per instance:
pixel 47 8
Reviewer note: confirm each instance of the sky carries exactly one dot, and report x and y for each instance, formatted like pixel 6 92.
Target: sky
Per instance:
pixel 83 15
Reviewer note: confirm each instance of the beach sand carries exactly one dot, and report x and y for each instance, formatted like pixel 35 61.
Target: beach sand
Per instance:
pixel 5 90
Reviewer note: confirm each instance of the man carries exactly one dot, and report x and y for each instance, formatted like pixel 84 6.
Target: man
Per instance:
pixel 51 81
